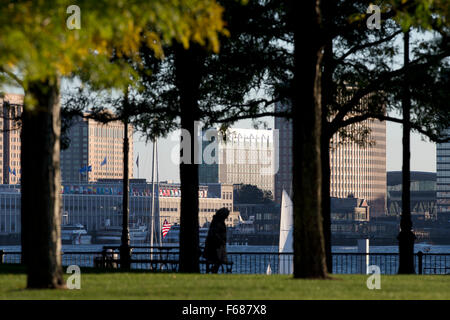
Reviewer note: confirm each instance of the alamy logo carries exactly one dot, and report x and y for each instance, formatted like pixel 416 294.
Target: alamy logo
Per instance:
pixel 211 147
pixel 74 20
pixel 374 281
pixel 373 22
pixel 74 281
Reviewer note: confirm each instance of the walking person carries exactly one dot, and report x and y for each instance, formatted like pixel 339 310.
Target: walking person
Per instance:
pixel 215 251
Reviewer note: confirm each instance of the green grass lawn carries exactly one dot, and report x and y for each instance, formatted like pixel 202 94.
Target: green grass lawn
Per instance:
pixel 227 287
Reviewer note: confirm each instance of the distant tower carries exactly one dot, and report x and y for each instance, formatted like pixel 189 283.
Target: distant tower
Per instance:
pixel 10 169
pixel 97 145
pixel 247 157
pixel 443 179
pixel 354 169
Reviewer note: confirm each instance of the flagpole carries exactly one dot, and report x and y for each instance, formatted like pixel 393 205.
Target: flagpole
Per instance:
pixel 157 186
pixel 153 202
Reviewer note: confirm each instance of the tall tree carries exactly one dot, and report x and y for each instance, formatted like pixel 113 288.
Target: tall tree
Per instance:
pixel 38 47
pixel 204 85
pixel 248 193
pixel 360 79
pixel 309 246
pixel 41 245
pixel 188 76
pixel 357 80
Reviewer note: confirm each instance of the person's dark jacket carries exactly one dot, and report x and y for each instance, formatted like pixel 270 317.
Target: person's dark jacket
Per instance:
pixel 216 241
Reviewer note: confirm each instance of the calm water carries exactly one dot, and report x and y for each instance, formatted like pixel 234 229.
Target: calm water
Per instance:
pixel 257 259
pixel 266 249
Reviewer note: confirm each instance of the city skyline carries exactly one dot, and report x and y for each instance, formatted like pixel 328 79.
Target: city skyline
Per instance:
pixel 423 153
pixel 354 171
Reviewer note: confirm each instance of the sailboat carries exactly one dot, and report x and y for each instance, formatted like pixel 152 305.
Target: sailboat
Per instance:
pixel 286 235
pixel 269 270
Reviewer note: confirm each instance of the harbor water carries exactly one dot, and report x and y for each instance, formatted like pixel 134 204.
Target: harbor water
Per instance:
pixel 258 259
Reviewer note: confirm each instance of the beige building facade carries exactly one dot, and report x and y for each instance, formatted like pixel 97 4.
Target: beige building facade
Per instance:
pixel 11 108
pixel 99 205
pixel 93 144
pixel 212 197
pixel 96 146
pixel 243 156
pixel 361 171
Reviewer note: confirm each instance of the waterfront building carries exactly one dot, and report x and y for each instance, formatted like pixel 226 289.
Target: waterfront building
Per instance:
pixel 355 170
pixel 349 217
pixel 98 206
pixel 95 150
pixel 423 195
pixel 242 156
pixel 266 216
pixel 9 212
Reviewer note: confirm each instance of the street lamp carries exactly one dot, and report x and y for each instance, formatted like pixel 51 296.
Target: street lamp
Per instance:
pixel 125 252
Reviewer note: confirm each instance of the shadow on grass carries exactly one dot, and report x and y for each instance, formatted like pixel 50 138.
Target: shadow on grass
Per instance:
pixel 12 268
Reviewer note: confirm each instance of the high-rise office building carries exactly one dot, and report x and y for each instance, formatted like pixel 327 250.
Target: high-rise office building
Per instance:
pixel 11 108
pixel 283 178
pixel 355 170
pixel 443 180
pixel 244 156
pixel 95 151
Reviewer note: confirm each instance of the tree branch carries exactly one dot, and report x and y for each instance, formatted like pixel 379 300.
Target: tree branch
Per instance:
pixel 382 117
pixel 12 76
pixel 382 79
pixel 366 45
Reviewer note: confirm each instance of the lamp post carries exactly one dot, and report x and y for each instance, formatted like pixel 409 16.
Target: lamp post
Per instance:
pixel 125 252
pixel 406 236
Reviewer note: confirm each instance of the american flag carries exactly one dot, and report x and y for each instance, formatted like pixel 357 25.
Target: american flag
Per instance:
pixel 165 228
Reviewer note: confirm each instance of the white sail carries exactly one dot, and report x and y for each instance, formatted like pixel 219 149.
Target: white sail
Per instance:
pixel 269 270
pixel 286 234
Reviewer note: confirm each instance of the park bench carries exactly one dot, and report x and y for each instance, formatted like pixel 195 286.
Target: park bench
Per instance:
pixel 173 265
pixel 226 267
pixel 161 261
pixel 111 261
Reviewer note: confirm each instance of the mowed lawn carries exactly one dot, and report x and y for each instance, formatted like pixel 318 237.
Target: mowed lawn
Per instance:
pixel 229 287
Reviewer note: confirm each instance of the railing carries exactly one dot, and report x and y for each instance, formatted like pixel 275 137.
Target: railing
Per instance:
pixel 166 259
pixel 10 256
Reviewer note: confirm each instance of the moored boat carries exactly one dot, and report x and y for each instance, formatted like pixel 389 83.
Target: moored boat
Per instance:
pixel 74 234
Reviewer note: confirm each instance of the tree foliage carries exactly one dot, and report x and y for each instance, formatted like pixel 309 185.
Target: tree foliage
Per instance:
pixel 37 48
pixel 248 193
pixel 36 43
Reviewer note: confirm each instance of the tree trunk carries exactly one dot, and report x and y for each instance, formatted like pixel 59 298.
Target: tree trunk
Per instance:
pixel 125 254
pixel 188 64
pixel 309 246
pixel 406 236
pixel 326 199
pixel 41 185
pixel 327 97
